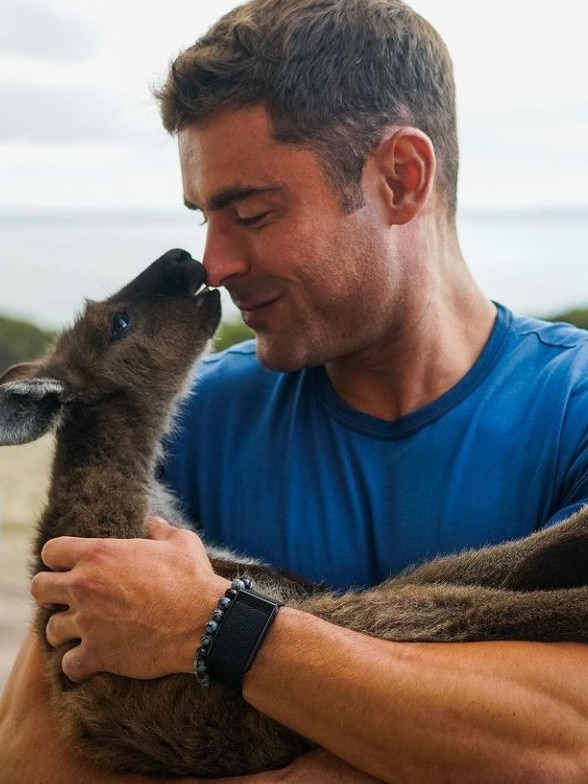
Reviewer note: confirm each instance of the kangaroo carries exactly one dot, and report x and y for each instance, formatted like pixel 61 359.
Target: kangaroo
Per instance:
pixel 110 387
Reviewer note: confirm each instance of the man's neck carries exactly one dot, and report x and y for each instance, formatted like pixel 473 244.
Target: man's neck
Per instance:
pixel 436 347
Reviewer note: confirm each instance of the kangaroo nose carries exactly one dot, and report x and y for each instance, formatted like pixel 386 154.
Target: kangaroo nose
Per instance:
pixel 178 255
pixel 180 269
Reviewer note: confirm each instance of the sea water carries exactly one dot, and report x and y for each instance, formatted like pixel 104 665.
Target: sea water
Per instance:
pixel 532 261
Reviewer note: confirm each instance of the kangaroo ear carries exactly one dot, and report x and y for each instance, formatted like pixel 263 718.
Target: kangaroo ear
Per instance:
pixel 29 406
pixel 18 372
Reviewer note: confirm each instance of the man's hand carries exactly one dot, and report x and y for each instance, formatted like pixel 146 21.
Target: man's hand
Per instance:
pixel 138 606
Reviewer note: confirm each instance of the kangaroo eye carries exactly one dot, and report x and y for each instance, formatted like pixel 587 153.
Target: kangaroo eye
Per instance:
pixel 121 321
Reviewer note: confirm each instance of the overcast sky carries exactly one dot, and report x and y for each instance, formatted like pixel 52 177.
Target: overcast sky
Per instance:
pixel 79 128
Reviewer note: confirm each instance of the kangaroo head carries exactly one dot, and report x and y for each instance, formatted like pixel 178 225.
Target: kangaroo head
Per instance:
pixel 140 343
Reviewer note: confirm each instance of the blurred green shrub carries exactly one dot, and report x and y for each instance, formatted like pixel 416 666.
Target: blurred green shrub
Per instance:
pixel 229 333
pixel 21 341
pixel 578 317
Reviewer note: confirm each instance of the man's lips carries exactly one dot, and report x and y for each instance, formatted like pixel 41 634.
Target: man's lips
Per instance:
pixel 256 311
pixel 254 305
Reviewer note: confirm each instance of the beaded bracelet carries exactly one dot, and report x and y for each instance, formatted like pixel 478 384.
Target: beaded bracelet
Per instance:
pixel 233 635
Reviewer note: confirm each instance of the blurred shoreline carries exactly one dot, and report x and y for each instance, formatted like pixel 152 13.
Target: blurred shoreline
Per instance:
pixel 52 260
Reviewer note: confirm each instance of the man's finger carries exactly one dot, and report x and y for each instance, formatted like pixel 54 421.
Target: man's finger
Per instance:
pixel 160 529
pixel 48 589
pixel 61 628
pixel 76 664
pixel 64 552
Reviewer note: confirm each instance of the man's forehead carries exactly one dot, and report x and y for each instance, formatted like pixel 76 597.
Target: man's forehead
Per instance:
pixel 229 151
pixel 223 162
pixel 249 125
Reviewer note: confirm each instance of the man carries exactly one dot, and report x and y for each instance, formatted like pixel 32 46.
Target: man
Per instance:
pixel 391 413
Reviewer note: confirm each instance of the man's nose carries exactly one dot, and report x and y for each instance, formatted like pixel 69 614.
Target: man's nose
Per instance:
pixel 223 257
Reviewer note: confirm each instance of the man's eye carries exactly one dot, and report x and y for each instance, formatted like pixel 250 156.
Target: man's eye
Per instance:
pixel 252 220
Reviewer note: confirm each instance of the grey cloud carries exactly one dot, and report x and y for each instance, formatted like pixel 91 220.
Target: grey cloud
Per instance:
pixel 36 30
pixel 58 115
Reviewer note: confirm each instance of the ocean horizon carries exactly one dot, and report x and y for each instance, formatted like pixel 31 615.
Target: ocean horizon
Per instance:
pixel 531 260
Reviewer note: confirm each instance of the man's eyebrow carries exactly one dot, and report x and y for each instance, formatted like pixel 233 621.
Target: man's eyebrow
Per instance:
pixel 239 192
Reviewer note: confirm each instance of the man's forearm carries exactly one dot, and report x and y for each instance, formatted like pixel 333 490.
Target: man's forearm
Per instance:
pixel 424 713
pixel 31 752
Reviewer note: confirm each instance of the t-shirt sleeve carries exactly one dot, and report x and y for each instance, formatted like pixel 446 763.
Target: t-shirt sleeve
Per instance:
pixel 573 454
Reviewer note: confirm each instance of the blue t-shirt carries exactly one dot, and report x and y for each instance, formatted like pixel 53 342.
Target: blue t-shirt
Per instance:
pixel 277 466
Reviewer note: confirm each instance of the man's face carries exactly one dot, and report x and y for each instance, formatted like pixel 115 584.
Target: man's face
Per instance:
pixel 314 283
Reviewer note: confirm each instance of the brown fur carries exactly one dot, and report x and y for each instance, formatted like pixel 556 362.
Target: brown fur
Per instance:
pixel 114 397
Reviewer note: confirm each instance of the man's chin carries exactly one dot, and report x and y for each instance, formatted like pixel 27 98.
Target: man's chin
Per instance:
pixel 280 355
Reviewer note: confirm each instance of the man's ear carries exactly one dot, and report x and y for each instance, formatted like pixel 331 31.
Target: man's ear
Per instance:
pixel 405 162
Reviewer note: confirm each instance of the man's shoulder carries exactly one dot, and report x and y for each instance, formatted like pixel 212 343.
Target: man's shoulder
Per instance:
pixel 553 347
pixel 237 360
pixel 554 334
pixel 547 373
pixel 235 376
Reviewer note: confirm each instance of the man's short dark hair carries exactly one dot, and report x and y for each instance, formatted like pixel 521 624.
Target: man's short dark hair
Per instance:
pixel 332 74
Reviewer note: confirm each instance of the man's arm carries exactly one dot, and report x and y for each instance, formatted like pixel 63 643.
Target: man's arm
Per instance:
pixel 406 713
pixel 30 751
pixel 428 713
